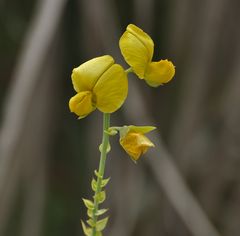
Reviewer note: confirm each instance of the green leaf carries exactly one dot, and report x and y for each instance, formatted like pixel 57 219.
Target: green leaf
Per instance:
pixel 87 231
pixel 94 185
pixel 100 197
pixel 90 213
pixel 90 222
pixel 97 174
pixel 101 224
pixel 108 147
pixel 104 182
pixel 101 212
pixel 89 204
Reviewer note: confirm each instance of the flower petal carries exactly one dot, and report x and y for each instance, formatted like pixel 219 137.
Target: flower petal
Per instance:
pixel 137 49
pixel 87 74
pixel 111 89
pixel 81 104
pixel 159 72
pixel 143 37
pixel 135 144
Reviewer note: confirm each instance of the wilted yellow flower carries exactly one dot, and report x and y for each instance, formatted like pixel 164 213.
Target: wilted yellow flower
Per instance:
pixel 137 49
pixel 99 83
pixel 133 140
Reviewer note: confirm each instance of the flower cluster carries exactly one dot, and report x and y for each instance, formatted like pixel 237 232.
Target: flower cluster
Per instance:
pixel 101 83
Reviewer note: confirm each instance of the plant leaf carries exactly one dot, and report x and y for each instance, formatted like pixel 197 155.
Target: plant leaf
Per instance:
pixel 101 224
pixel 90 222
pixel 89 204
pixel 90 213
pixel 100 197
pixel 94 184
pixel 97 174
pixel 101 212
pixel 104 182
pixel 87 231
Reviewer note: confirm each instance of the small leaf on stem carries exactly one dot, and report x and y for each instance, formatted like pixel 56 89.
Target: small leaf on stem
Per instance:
pixel 101 224
pixel 97 174
pixel 89 204
pixel 101 212
pixel 100 197
pixel 90 213
pixel 87 231
pixel 104 182
pixel 90 222
pixel 94 185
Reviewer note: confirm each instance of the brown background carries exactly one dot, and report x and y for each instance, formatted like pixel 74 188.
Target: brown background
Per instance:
pixel 189 185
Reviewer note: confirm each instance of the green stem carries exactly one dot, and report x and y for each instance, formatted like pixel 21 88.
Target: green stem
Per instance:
pixel 103 149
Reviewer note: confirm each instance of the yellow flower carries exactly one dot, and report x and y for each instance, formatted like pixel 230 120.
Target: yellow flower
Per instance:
pixel 99 83
pixel 137 49
pixel 133 140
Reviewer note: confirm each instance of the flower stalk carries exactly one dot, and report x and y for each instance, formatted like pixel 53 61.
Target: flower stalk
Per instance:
pixel 104 149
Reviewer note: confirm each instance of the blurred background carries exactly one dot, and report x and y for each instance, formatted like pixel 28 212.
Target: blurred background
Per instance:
pixel 189 185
